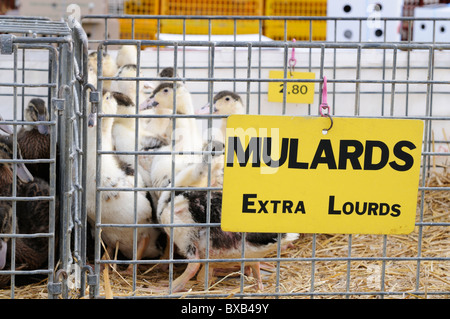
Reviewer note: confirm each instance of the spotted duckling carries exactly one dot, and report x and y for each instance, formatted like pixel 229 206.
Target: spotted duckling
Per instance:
pixel 190 207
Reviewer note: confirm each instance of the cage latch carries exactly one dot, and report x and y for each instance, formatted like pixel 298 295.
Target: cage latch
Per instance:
pixel 92 280
pixel 55 288
pixel 59 105
pixel 94 97
pixel 6 43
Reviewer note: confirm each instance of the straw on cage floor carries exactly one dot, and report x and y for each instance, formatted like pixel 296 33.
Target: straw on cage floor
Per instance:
pixel 363 278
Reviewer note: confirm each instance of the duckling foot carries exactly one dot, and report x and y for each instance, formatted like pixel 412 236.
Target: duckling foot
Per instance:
pixel 257 275
pixel 178 284
pixel 166 255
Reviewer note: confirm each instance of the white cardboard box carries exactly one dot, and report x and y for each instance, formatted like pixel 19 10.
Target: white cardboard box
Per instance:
pixel 344 30
pixel 372 28
pixel 423 29
pixel 376 29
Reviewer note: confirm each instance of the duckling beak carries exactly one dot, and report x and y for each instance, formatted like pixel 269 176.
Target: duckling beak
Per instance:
pixel 148 103
pixel 42 128
pixel 23 173
pixel 3 249
pixel 204 110
pixel 144 105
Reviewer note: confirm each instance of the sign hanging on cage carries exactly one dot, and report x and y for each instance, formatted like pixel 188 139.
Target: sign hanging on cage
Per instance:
pixel 284 174
pixel 295 91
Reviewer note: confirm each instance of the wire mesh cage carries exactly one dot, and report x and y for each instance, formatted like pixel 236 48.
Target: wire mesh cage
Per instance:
pixel 36 198
pixel 125 187
pixel 366 78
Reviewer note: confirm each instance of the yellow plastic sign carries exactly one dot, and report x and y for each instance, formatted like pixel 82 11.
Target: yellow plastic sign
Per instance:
pixel 296 92
pixel 283 174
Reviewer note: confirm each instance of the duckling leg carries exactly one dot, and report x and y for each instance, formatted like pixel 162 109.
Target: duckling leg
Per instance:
pixel 182 280
pixel 141 246
pixel 253 268
pixel 107 256
pixel 189 272
pixel 166 255
pixel 257 275
pixel 267 266
pixel 211 272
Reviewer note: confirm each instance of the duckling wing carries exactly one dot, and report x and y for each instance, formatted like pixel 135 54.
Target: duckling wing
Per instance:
pixel 35 145
pixel 33 216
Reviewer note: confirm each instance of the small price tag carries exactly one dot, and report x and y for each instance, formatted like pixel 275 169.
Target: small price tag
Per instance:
pixel 296 92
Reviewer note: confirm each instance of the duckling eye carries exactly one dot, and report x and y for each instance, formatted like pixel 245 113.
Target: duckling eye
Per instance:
pixel 166 90
pixel 227 98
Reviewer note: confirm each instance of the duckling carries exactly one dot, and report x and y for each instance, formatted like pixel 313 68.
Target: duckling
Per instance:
pixel 92 75
pixel 196 174
pixel 117 207
pixel 129 87
pixel 186 136
pixel 34 140
pixel 124 128
pixel 32 215
pixel 127 54
pixel 124 136
pixel 168 72
pixel 224 103
pixel 191 207
pixel 162 100
pixel 32 218
pixel 5 228
pixel 6 169
pixel 6 182
pixel 109 68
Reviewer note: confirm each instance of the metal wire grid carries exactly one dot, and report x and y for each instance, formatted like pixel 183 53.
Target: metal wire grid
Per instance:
pixel 30 26
pixel 396 80
pixel 41 59
pixel 428 87
pixel 16 90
